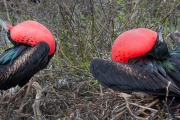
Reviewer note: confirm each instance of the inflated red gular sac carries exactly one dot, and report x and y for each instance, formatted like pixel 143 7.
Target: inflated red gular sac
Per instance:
pixel 34 46
pixel 135 43
pixel 140 62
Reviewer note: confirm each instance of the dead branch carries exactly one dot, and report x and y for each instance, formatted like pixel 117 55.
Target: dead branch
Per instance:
pixel 36 104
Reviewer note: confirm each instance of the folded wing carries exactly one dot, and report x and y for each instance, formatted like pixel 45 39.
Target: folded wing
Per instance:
pixel 133 78
pixel 18 64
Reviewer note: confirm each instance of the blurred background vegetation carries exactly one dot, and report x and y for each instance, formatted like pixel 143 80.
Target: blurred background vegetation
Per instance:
pixel 86 29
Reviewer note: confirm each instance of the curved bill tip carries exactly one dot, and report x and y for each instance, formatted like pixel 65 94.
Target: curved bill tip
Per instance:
pixel 159 32
pixel 4 25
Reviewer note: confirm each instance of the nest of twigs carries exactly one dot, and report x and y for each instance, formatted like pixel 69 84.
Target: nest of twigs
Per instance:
pixel 79 101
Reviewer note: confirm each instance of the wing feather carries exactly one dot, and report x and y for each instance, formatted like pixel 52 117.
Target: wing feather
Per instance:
pixel 132 78
pixel 24 66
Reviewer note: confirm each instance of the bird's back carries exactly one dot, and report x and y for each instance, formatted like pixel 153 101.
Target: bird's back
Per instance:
pixel 24 66
pixel 144 74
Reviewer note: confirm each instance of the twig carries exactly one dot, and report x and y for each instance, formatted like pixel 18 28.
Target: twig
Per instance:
pixel 118 115
pixel 28 88
pixel 7 12
pixel 8 111
pixel 24 100
pixel 37 112
pixel 148 106
pixel 165 103
pixel 170 112
pixel 100 87
pixel 167 90
pixel 17 93
pixel 151 109
pixel 127 105
pixel 61 97
pixel 168 14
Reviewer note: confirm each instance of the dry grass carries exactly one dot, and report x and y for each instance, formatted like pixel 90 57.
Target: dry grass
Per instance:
pixel 84 29
pixel 81 102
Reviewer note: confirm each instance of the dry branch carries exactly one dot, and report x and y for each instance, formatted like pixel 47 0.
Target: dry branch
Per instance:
pixel 36 104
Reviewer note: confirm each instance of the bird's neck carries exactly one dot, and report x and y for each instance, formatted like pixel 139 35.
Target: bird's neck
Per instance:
pixel 159 51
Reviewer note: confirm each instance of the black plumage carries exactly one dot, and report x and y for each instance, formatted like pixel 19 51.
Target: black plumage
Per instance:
pixel 146 74
pixel 19 63
pixel 34 46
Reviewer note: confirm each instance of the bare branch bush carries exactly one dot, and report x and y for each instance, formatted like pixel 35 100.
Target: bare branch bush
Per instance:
pixel 83 29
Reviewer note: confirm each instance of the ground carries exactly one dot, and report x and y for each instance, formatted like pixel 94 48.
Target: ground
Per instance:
pixel 84 30
pixel 80 101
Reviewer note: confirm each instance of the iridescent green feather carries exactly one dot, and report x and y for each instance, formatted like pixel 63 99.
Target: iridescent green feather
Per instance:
pixel 11 54
pixel 168 64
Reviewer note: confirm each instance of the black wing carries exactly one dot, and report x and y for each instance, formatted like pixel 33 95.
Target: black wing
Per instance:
pixel 175 59
pixel 132 78
pixel 24 66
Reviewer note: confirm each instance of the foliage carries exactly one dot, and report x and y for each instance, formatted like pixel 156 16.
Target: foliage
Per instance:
pixel 86 29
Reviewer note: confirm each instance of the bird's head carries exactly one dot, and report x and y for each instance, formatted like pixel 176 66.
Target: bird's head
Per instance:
pixel 30 33
pixel 133 43
pixel 160 50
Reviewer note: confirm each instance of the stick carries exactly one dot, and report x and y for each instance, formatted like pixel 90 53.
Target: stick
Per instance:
pixel 37 112
pixel 148 106
pixel 127 105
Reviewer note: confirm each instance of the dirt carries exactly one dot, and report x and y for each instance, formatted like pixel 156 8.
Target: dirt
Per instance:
pixel 81 101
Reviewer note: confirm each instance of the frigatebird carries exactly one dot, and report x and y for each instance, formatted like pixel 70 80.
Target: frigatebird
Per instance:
pixel 33 47
pixel 141 62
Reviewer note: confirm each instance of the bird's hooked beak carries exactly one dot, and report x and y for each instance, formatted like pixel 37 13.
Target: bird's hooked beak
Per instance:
pixel 5 25
pixel 160 50
pixel 8 27
pixel 159 34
